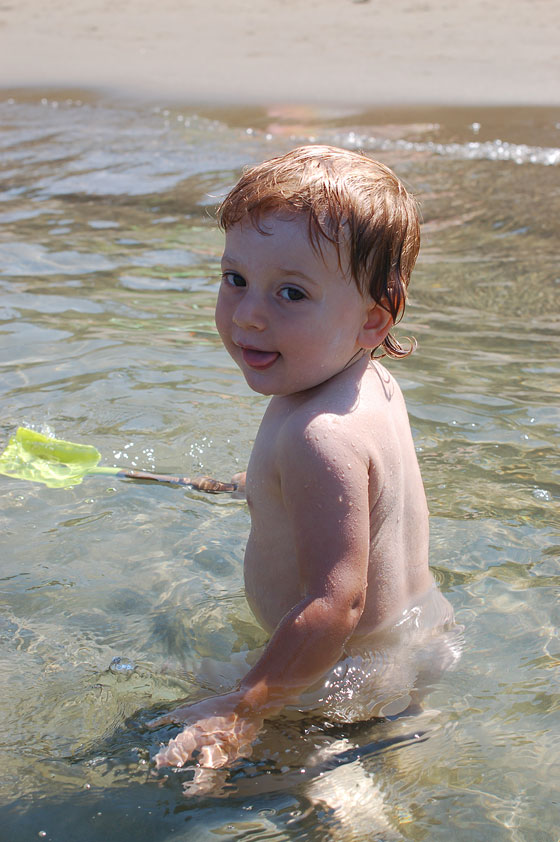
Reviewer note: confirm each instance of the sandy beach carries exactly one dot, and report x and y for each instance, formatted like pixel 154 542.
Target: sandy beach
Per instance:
pixel 288 51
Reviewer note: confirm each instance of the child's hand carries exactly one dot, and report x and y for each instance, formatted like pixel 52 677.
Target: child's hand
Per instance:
pixel 214 729
pixel 239 481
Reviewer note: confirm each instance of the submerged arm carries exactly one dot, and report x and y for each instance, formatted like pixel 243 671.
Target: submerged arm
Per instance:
pixel 330 521
pixel 327 506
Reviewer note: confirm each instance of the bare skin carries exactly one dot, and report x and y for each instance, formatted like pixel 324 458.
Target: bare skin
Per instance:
pixel 338 547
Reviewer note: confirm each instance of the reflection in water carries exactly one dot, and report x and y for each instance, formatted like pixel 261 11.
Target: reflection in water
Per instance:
pixel 108 270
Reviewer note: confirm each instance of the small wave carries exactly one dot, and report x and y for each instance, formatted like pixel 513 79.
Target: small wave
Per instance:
pixel 491 150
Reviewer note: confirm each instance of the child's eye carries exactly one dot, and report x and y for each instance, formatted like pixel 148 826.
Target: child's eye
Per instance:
pixel 233 279
pixel 292 294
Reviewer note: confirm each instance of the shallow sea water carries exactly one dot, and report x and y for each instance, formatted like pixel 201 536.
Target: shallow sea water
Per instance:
pixel 108 271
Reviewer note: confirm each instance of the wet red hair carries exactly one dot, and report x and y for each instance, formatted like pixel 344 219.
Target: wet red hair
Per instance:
pixel 352 201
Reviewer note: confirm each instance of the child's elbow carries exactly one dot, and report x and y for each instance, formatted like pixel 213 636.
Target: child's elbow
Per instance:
pixel 356 609
pixel 349 615
pixel 338 615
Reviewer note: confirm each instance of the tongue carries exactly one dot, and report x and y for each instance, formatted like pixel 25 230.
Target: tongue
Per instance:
pixel 259 359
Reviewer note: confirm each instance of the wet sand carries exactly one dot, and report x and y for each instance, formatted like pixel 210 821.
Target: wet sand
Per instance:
pixel 287 51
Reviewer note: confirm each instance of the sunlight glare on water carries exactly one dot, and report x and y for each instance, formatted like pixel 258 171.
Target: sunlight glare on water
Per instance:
pixel 114 591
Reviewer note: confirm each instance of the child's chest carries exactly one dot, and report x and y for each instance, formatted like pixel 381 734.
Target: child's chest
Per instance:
pixel 272 580
pixel 263 471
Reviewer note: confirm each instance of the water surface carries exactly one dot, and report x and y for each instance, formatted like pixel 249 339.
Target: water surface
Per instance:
pixel 108 271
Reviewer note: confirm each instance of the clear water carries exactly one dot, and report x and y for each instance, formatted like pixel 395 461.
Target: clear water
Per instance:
pixel 108 271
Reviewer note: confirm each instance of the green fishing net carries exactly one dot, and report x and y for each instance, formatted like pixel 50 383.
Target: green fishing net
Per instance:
pixel 56 463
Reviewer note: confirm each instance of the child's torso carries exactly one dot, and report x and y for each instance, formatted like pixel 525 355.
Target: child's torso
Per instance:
pixel 377 422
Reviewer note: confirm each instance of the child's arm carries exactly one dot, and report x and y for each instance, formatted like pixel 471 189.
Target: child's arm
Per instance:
pixel 324 485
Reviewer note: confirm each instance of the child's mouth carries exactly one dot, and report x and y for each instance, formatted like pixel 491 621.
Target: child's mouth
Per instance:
pixel 259 359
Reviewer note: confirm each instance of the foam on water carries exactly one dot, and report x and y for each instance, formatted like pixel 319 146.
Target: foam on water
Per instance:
pixel 494 150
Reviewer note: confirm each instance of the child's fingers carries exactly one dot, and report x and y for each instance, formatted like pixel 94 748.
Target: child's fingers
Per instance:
pixel 205 782
pixel 214 756
pixel 217 746
pixel 178 750
pixel 238 481
pixel 219 740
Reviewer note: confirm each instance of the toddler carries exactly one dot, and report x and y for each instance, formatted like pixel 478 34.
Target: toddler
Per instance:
pixel 320 245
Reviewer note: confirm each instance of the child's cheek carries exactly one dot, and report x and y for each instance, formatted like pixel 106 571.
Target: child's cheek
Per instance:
pixel 220 316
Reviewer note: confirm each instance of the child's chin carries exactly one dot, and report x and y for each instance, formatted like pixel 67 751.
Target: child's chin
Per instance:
pixel 278 389
pixel 261 389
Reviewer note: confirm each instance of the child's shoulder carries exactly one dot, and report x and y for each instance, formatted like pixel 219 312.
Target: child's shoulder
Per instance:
pixel 346 413
pixel 350 397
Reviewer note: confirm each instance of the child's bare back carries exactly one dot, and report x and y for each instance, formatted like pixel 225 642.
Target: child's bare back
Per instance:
pixel 334 474
pixel 319 248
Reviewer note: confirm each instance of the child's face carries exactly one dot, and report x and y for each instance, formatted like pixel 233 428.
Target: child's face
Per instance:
pixel 287 314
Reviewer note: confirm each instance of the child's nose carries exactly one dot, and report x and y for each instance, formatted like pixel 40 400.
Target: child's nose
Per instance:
pixel 250 312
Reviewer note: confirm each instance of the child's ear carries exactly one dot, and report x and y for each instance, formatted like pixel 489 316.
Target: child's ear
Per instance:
pixel 376 327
